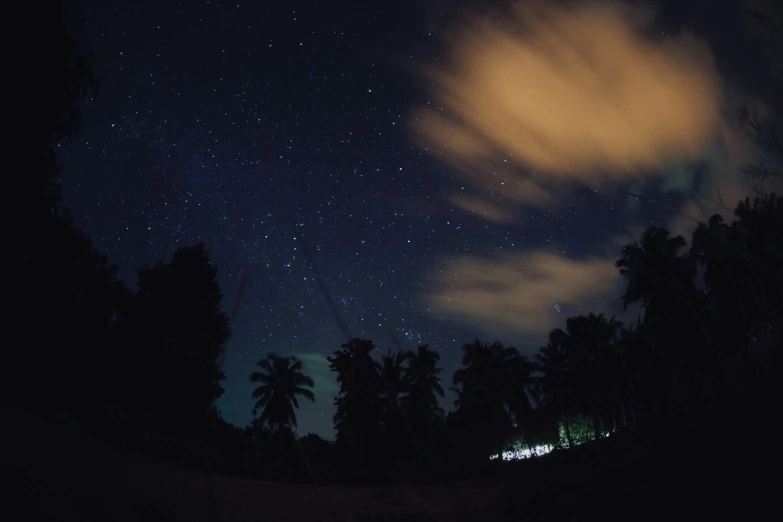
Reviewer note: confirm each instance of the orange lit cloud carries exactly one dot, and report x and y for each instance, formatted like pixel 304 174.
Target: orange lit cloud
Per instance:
pixel 548 94
pixel 519 292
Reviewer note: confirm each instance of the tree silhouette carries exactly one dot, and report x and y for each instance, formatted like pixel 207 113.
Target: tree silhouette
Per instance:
pixel 392 431
pixel 64 291
pixel 65 79
pixel 656 271
pixel 661 277
pixel 762 131
pixel 759 227
pixel 420 403
pixel 491 392
pixel 591 365
pixel 359 404
pixel 730 286
pixel 281 382
pixel 635 351
pixel 553 387
pixel 180 330
pixel 393 384
pixel 67 300
pixel 759 232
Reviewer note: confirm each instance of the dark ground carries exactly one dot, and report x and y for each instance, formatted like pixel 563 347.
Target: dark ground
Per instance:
pixel 62 475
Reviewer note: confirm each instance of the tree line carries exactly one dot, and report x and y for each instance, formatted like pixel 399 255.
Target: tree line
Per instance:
pixel 709 334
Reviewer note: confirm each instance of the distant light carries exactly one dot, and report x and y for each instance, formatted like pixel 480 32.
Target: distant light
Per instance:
pixel 538 451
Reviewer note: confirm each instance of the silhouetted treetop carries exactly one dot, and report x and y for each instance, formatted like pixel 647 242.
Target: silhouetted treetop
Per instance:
pixel 184 329
pixel 281 381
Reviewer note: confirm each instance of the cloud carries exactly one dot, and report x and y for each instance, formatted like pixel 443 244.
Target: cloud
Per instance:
pixel 489 210
pixel 719 190
pixel 549 94
pixel 316 366
pixel 518 292
pixel 316 417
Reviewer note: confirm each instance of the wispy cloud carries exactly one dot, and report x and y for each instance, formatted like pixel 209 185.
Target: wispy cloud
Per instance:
pixel 316 366
pixel 482 207
pixel 523 292
pixel 547 94
pixel 317 417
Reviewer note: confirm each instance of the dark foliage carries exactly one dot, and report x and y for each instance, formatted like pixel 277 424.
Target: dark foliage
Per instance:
pixel 152 354
pixel 281 381
pixel 177 328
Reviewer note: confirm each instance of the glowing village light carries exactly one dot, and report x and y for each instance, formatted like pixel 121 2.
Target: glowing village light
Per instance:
pixel 537 451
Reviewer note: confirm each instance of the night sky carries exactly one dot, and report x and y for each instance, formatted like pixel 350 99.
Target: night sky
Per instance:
pixel 243 125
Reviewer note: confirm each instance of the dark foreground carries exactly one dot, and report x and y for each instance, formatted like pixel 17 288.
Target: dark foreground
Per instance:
pixel 61 475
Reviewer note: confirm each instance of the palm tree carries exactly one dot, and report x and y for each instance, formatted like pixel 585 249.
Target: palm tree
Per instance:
pixel 421 373
pixel 715 246
pixel 731 281
pixel 359 405
pixel 655 270
pixel 492 389
pixel 591 364
pixel 635 350
pixel 759 226
pixel 759 230
pixel 393 382
pixel 393 385
pixel 420 402
pixel 661 278
pixel 281 382
pixel 553 388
